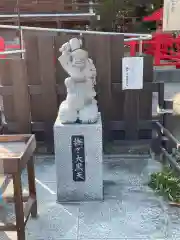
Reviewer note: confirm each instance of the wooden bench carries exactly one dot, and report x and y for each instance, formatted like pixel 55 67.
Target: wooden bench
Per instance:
pixel 16 153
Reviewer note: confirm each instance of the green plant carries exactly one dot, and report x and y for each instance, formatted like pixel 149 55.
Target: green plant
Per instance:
pixel 166 184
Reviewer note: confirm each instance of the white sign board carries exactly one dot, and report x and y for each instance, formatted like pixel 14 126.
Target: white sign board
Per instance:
pixel 171 15
pixel 132 73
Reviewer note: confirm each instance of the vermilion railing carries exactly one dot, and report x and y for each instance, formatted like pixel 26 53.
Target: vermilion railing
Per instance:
pixel 2 47
pixel 163 47
pixel 5 47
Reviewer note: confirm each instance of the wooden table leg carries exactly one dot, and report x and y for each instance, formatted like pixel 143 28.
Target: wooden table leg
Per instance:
pixel 19 206
pixel 32 186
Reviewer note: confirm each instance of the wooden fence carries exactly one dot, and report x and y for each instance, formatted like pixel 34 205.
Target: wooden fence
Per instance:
pixel 33 87
pixel 45 6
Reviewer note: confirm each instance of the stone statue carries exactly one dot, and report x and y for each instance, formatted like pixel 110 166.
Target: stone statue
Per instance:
pixel 80 104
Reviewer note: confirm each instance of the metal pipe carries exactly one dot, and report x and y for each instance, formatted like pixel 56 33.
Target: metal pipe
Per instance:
pixel 26 15
pixel 162 111
pixel 74 31
pixel 171 160
pixel 140 47
pixel 12 52
pixel 137 39
pixel 167 133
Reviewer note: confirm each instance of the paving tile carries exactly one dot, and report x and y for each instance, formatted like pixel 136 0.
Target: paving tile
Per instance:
pixel 55 222
pixel 45 170
pixel 95 219
pixel 135 212
pixel 139 219
pixel 122 220
pixel 130 211
pixel 45 183
pixel 123 176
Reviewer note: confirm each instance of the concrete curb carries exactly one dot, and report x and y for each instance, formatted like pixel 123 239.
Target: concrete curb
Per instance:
pixel 167 75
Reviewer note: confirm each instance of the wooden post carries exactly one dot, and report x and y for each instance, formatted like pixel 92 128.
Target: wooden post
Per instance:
pixel 19 206
pixel 131 114
pixel 21 96
pixel 16 103
pixel 48 85
pixel 32 185
pixel 40 62
pixel 145 97
pixel 33 72
pixel 6 81
pixel 117 97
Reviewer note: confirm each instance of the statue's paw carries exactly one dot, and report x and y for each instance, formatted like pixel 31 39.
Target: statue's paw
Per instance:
pixel 89 114
pixel 66 114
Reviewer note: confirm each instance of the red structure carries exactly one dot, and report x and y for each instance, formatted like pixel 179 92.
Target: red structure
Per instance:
pixel 2 46
pixel 164 47
pixel 6 47
pixel 155 16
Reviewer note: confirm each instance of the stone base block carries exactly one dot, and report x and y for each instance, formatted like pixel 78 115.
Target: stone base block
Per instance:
pixel 78 158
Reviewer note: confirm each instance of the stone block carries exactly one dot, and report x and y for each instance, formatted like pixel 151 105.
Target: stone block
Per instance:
pixel 70 186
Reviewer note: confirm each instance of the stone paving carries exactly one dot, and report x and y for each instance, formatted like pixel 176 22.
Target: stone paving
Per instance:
pixel 130 210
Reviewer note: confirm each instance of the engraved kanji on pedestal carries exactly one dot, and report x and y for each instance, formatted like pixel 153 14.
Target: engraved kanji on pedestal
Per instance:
pixel 78 158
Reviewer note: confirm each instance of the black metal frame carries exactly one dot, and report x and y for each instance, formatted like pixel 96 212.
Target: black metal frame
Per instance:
pixel 145 125
pixel 165 145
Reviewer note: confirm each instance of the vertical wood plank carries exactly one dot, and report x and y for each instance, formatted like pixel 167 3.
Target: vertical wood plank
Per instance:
pixel 33 72
pixel 99 49
pixel 32 185
pixel 117 53
pixel 48 79
pixel 145 103
pixel 131 114
pixel 138 104
pixel 19 206
pixel 21 96
pixel 88 45
pixel 48 84
pixel 145 95
pixel 5 80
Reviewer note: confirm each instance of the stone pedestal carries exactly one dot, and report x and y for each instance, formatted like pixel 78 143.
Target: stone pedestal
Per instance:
pixel 78 158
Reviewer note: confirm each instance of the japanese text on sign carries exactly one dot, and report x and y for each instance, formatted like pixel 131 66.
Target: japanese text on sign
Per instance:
pixel 78 158
pixel 132 73
pixel 171 15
